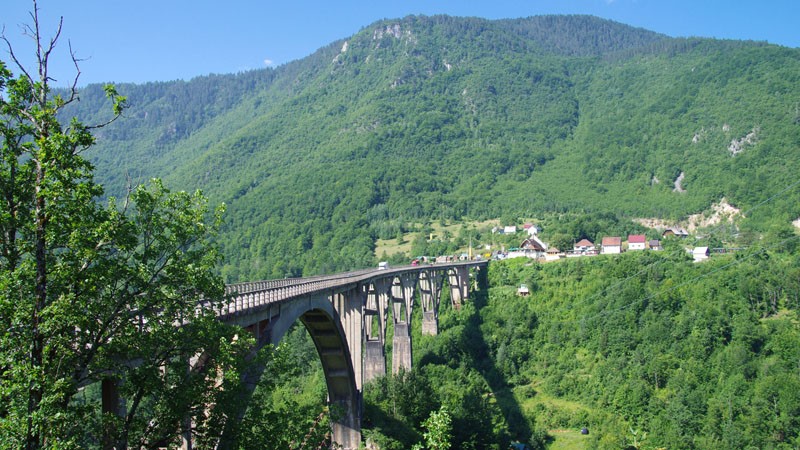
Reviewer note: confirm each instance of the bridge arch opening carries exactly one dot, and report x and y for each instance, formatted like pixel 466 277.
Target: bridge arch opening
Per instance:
pixel 374 328
pixel 321 321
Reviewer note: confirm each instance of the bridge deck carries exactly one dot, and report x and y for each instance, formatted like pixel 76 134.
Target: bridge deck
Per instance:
pixel 257 294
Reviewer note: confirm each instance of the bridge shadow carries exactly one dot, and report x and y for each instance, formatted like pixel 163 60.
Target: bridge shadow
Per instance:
pixel 475 351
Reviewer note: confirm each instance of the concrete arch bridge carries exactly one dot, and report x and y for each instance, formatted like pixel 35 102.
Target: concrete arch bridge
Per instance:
pixel 347 316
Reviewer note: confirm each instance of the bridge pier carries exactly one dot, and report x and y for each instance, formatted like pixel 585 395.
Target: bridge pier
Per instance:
pixel 401 347
pixel 375 320
pixel 430 289
pixel 346 430
pixel 402 304
pixel 430 323
pixel 374 360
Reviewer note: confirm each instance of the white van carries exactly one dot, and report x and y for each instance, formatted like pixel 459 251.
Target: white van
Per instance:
pixel 383 265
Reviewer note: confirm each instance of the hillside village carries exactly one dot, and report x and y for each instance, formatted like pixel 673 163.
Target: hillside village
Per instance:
pixel 535 248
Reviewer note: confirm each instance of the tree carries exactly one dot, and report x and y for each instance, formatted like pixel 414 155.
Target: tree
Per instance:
pixel 92 294
pixel 439 433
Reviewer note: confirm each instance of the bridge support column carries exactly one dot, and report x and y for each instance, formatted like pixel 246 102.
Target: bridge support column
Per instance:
pixel 374 360
pixel 402 305
pixel 349 306
pixel 347 429
pixel 401 347
pixel 346 426
pixel 430 289
pixel 430 323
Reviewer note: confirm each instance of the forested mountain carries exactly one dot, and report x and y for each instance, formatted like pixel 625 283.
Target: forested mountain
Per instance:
pixel 443 118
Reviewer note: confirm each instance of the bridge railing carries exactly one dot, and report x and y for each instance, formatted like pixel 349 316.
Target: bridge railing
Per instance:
pixel 250 286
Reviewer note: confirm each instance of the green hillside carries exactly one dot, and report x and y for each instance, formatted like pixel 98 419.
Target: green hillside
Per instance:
pixel 441 118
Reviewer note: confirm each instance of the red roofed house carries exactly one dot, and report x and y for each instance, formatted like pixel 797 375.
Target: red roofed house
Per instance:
pixel 611 245
pixel 637 242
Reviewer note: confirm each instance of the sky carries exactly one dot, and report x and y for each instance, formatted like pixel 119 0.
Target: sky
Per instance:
pixel 145 40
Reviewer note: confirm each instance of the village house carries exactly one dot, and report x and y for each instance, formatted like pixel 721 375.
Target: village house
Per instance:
pixel 531 229
pixel 584 247
pixel 655 244
pixel 508 229
pixel 611 245
pixel 533 247
pixel 637 242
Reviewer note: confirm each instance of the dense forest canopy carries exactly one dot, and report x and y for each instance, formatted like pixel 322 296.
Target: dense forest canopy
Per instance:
pixel 645 349
pixel 442 118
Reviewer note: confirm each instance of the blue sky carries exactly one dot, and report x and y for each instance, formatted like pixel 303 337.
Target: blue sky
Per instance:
pixel 146 40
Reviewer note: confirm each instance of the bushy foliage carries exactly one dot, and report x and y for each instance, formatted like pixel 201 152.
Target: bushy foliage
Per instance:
pixel 687 355
pixel 91 295
pixel 286 410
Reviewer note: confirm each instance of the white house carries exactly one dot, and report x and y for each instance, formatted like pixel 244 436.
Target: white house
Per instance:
pixel 583 246
pixel 611 245
pixel 532 229
pixel 637 242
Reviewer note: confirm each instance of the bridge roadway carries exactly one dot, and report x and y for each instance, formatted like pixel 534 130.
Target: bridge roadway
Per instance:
pixel 346 316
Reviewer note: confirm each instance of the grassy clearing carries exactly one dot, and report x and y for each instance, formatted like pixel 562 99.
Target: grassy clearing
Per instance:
pixel 390 247
pixel 562 418
pixel 568 440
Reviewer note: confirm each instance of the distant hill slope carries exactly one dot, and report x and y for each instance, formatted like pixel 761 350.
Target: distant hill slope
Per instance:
pixel 444 117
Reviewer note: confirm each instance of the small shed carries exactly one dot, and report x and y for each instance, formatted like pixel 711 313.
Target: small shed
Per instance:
pixel 700 254
pixel 553 254
pixel 523 290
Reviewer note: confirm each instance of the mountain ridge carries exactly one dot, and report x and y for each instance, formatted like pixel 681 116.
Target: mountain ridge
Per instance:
pixel 426 118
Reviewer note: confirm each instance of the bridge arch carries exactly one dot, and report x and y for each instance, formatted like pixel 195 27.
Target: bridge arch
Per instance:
pixel 330 336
